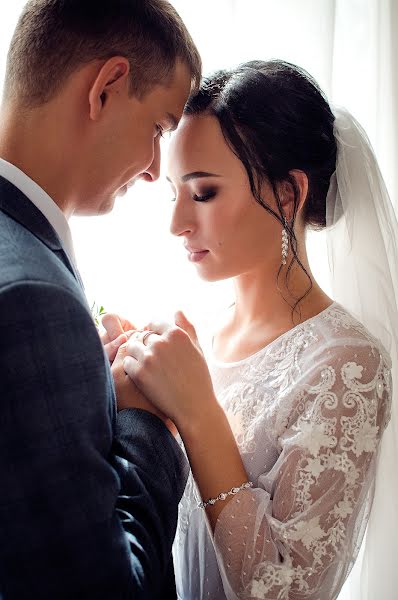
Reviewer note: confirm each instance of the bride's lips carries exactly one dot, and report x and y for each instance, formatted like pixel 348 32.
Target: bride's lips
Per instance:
pixel 195 254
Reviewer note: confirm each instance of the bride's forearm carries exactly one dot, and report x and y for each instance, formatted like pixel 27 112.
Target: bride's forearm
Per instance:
pixel 214 457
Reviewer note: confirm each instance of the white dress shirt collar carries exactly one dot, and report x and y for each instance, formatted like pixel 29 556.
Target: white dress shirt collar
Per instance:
pixel 43 202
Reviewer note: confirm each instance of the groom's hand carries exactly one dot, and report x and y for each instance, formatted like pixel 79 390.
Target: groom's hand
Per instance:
pixel 127 393
pixel 115 333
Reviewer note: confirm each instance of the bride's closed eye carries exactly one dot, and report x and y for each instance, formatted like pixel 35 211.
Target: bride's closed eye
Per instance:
pixel 205 197
pixel 200 198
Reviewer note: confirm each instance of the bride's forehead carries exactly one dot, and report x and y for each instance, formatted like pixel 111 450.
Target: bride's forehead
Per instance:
pixel 198 137
pixel 204 126
pixel 200 146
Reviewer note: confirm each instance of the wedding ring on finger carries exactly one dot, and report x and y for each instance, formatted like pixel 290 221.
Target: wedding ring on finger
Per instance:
pixel 146 336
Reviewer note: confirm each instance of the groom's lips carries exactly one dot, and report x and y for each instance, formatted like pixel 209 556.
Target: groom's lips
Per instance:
pixel 125 188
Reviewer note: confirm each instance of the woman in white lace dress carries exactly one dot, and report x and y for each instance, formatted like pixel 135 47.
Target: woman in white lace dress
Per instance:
pixel 288 462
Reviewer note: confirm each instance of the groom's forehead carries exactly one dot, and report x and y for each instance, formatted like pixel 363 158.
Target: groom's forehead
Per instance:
pixel 171 97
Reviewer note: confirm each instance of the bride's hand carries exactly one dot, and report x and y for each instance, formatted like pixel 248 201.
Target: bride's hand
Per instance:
pixel 129 396
pixel 168 367
pixel 117 332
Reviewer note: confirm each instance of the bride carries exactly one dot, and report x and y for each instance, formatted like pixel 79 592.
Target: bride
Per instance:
pixel 283 423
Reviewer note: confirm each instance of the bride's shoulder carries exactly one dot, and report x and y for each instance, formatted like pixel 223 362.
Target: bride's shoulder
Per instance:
pixel 337 332
pixel 339 325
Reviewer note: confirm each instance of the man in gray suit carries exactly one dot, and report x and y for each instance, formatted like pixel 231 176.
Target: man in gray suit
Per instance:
pixel 88 494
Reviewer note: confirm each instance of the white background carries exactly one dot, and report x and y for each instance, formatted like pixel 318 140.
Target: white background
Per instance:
pixel 128 260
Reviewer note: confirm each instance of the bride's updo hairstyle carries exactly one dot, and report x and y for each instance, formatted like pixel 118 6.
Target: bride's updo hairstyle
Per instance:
pixel 275 119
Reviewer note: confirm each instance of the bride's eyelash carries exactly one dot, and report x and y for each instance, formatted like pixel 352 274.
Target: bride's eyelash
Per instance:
pixel 204 197
pixel 160 131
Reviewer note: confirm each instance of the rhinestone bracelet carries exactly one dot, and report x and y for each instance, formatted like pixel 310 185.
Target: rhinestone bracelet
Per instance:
pixel 224 495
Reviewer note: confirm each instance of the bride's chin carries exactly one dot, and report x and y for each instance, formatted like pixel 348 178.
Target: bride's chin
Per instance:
pixel 210 277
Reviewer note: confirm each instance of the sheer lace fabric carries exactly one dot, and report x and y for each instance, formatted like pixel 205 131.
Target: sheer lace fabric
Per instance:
pixel 308 412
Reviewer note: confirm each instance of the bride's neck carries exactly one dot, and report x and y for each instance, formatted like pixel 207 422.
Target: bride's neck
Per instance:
pixel 262 298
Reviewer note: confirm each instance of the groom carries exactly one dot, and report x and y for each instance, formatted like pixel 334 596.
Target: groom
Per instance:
pixel 88 495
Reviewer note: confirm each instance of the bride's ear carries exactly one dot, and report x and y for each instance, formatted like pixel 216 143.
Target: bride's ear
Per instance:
pixel 286 193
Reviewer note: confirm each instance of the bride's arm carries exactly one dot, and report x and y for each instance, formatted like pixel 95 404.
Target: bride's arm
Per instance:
pixel 297 536
pixel 214 456
pixel 172 372
pixel 297 533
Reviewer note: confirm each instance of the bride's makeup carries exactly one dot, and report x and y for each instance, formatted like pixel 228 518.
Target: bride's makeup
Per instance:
pixel 201 195
pixel 204 195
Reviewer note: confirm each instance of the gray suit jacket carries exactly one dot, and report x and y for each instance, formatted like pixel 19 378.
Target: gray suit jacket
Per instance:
pixel 88 497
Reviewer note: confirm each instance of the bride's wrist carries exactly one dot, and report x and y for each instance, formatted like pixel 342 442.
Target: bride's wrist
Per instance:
pixel 193 427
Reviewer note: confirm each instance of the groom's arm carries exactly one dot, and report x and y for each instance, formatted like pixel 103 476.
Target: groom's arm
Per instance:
pixel 82 513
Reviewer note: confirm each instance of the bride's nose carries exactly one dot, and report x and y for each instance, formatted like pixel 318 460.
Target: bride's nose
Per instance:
pixel 182 221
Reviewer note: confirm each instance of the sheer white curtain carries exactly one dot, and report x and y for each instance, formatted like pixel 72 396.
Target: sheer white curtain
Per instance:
pixel 128 260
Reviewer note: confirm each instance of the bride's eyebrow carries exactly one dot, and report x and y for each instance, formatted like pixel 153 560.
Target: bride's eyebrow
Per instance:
pixel 195 175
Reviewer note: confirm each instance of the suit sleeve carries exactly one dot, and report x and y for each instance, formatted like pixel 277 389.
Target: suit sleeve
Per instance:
pixel 88 501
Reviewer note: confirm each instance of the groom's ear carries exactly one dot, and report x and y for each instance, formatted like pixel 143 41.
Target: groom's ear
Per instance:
pixel 112 78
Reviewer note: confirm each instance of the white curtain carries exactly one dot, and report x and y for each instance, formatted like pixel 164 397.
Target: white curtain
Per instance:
pixel 128 260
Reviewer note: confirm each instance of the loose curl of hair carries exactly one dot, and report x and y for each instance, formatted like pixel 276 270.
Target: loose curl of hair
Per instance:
pixel 276 119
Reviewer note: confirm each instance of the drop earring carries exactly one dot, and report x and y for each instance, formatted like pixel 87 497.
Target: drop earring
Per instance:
pixel 285 245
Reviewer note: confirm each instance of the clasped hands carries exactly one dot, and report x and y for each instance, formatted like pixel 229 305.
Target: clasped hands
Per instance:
pixel 167 375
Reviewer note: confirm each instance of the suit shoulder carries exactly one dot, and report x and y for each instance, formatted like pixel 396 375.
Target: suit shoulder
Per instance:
pixel 49 330
pixel 43 300
pixel 24 257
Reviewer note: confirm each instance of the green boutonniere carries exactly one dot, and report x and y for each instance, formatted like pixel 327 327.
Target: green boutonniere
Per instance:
pixel 97 312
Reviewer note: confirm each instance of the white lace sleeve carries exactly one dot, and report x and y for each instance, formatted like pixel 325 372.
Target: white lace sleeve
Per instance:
pixel 298 539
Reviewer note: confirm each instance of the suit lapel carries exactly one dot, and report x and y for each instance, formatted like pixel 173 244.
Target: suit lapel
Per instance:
pixel 14 203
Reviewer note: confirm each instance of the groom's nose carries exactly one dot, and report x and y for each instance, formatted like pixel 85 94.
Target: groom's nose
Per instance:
pixel 153 171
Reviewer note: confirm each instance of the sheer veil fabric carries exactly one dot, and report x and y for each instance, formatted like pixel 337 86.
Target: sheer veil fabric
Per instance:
pixel 362 240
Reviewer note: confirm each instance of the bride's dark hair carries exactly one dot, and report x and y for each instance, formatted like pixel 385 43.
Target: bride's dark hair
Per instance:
pixel 276 119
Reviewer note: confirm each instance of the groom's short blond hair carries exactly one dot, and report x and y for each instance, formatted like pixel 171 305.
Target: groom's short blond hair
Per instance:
pixel 53 38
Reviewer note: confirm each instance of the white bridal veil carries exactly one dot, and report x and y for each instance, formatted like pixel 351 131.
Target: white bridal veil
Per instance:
pixel 362 239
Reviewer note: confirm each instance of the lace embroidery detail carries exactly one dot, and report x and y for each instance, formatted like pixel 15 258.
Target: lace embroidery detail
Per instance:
pixel 314 424
pixel 282 364
pixel 269 577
